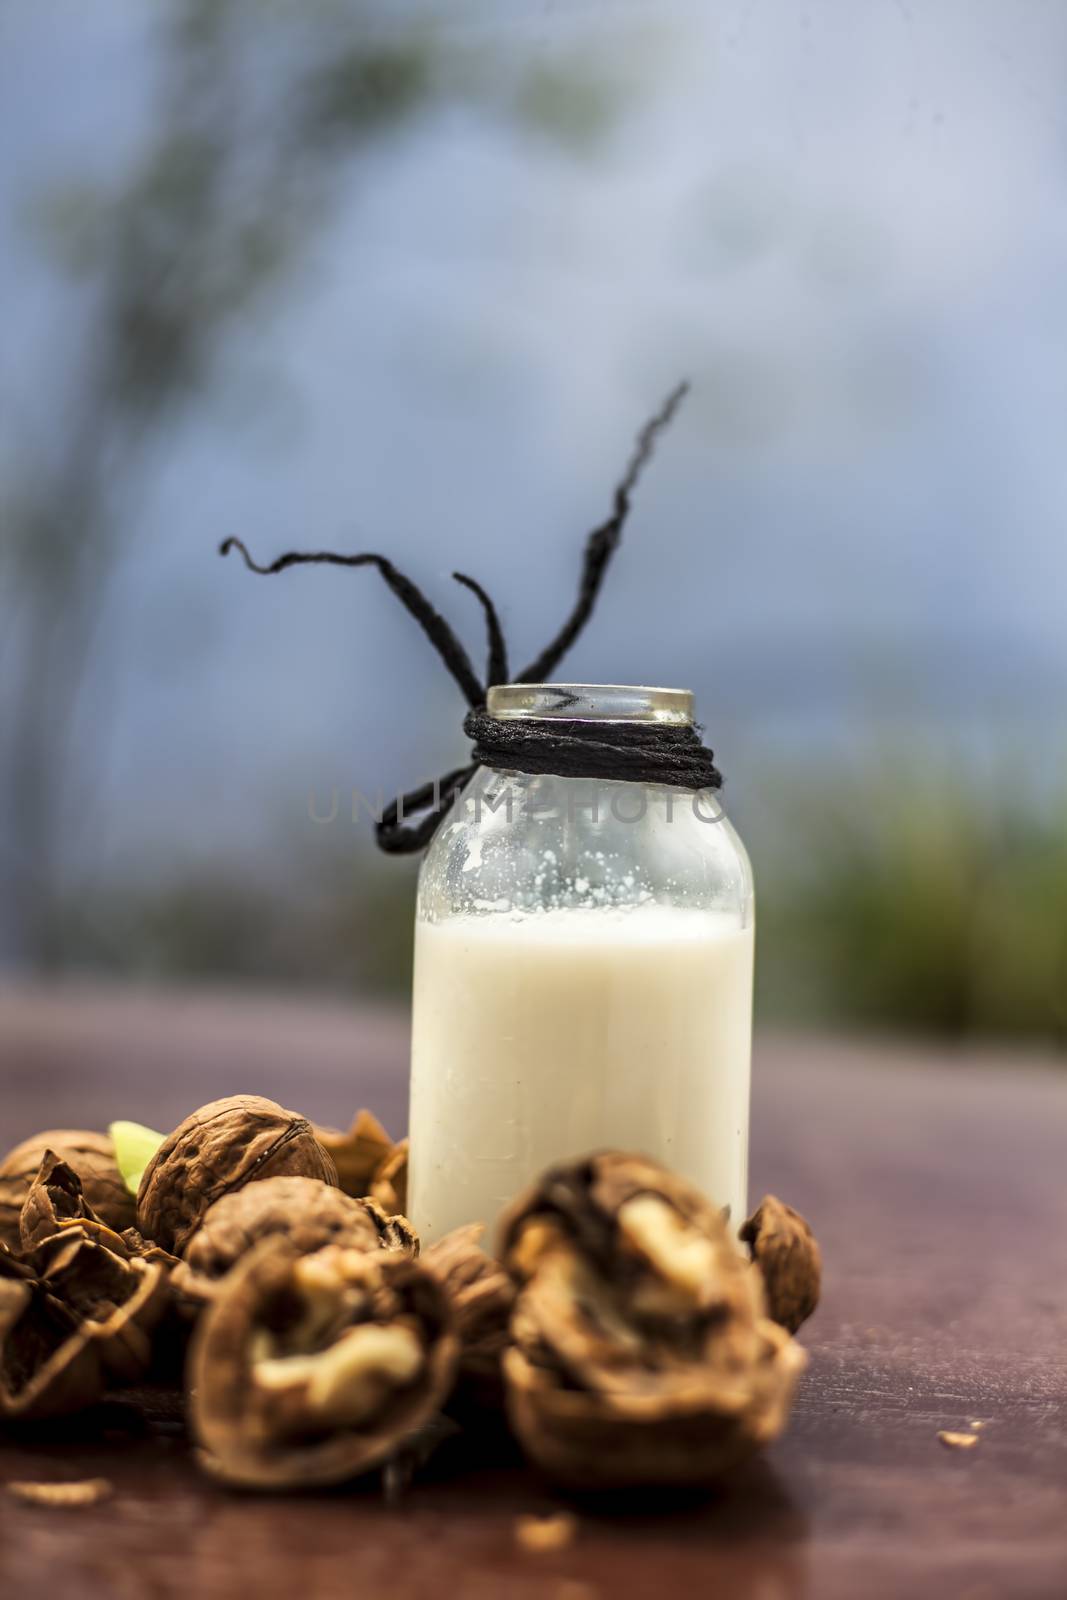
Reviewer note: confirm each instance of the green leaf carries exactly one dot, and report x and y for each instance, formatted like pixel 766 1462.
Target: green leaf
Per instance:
pixel 135 1146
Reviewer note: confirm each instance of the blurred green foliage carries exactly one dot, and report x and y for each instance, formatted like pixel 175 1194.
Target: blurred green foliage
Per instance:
pixel 894 899
pixel 905 897
pixel 568 101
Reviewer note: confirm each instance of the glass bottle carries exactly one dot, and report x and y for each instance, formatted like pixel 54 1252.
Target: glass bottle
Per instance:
pixel 583 976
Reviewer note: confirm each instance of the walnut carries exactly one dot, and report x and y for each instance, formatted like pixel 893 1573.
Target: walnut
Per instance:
pixel 783 1247
pixel 311 1369
pixel 92 1157
pixel 74 1317
pixel 482 1295
pixel 390 1183
pixel 640 1351
pixel 218 1149
pixel 357 1154
pixel 307 1211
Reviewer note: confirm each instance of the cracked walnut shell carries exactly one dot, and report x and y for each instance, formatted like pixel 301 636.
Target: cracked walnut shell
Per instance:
pixel 219 1149
pixel 357 1154
pixel 90 1155
pixel 390 1183
pixel 309 1213
pixel 483 1296
pixel 640 1350
pixel 783 1247
pixel 311 1369
pixel 76 1312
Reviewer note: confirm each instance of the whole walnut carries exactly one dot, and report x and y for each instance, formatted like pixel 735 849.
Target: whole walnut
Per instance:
pixel 783 1247
pixel 90 1155
pixel 309 1213
pixel 312 1369
pixel 220 1148
pixel 641 1352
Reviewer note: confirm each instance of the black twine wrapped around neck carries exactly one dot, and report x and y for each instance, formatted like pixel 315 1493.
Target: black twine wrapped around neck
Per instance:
pixel 662 753
pixel 637 752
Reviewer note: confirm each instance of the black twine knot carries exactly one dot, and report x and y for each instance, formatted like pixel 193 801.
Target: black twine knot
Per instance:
pixel 661 753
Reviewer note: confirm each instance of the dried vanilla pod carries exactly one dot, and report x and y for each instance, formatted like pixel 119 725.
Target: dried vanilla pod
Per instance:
pixel 783 1247
pixel 309 1213
pixel 90 1155
pixel 640 1350
pixel 357 1154
pixel 220 1148
pixel 74 1317
pixel 312 1369
pixel 389 1185
pixel 482 1296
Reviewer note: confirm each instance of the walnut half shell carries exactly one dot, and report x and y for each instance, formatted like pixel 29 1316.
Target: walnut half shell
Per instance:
pixel 307 1212
pixel 640 1352
pixel 220 1148
pixel 311 1369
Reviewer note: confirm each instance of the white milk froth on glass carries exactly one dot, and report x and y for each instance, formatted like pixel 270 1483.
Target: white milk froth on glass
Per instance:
pixel 543 1035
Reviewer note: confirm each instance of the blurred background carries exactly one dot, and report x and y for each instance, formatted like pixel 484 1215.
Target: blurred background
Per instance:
pixel 369 274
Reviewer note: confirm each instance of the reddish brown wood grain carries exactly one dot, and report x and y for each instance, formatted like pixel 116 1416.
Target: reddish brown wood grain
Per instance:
pixel 937 1185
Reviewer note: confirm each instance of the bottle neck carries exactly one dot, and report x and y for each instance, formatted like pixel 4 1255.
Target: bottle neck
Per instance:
pixel 590 702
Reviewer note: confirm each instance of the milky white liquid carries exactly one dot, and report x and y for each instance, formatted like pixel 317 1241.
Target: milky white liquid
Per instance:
pixel 546 1035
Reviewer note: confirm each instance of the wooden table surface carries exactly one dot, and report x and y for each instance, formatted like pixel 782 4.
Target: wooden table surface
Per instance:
pixel 937 1184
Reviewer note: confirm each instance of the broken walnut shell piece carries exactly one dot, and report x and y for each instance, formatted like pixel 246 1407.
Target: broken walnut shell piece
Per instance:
pixel 389 1185
pixel 311 1369
pixel 74 1317
pixel 482 1296
pixel 783 1247
pixel 640 1350
pixel 218 1149
pixel 357 1154
pixel 91 1155
pixel 55 1200
pixel 310 1214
